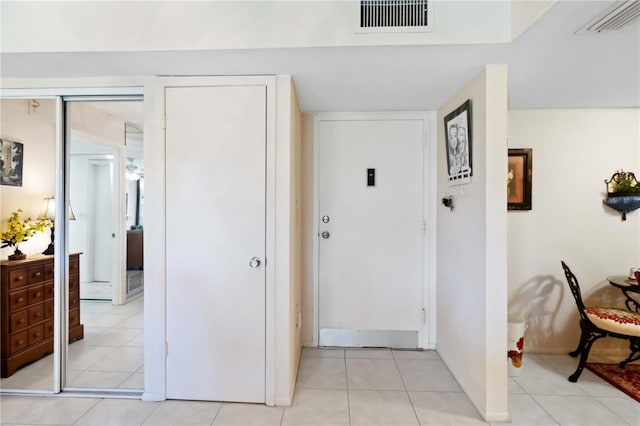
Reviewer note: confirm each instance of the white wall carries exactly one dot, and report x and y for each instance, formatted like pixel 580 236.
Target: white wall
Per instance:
pixel 307 231
pixel 34 127
pixel 136 26
pixel 471 251
pixel 574 151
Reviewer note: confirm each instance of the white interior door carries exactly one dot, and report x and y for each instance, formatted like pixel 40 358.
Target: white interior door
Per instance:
pixel 371 232
pixel 102 228
pixel 215 218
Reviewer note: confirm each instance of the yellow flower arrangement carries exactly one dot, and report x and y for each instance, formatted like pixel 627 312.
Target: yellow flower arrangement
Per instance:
pixel 20 231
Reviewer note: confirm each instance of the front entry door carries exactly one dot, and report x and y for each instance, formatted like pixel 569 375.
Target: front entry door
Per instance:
pixel 215 219
pixel 371 232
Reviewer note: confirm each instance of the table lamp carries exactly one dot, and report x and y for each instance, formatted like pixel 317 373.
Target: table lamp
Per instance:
pixel 48 212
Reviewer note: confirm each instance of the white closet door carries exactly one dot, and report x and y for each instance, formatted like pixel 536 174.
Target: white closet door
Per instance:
pixel 215 212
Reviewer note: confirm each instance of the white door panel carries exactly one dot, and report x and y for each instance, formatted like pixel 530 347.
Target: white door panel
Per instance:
pixel 102 240
pixel 215 204
pixel 371 266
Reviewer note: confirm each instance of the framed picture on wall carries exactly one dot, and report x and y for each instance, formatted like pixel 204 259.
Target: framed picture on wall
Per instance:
pixel 11 160
pixel 457 127
pixel 519 179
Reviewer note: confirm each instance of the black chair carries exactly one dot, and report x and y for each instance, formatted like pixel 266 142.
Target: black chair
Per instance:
pixel 597 322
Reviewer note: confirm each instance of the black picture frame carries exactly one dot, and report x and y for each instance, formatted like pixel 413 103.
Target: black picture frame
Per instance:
pixel 519 179
pixel 11 162
pixel 458 144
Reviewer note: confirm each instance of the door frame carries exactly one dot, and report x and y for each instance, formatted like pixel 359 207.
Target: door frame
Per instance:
pixel 155 243
pixel 427 333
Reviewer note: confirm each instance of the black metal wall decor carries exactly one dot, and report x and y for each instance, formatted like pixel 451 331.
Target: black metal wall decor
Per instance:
pixel 623 193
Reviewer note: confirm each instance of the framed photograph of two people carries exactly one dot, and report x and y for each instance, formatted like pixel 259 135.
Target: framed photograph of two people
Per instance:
pixel 457 126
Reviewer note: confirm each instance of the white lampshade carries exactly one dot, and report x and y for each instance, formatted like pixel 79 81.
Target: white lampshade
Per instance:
pixel 48 210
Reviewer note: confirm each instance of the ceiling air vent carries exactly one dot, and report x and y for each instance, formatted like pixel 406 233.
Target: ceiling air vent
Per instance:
pixel 621 14
pixel 395 15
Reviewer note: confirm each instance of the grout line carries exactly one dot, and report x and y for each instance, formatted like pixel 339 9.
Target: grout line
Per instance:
pixel 157 404
pixel 87 411
pixel 217 413
pixel 282 415
pixel 607 408
pixel 346 378
pixel 415 413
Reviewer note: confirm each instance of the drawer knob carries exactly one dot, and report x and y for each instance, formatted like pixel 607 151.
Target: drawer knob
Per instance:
pixel 20 278
pixel 37 274
pixel 38 294
pixel 20 342
pixel 21 321
pixel 20 299
pixel 36 334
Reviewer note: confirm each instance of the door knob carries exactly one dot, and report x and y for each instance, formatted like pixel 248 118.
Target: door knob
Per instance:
pixel 255 262
pixel 325 234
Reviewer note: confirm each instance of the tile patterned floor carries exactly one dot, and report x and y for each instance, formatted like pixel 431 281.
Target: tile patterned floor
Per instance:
pixel 109 356
pixel 96 290
pixel 361 387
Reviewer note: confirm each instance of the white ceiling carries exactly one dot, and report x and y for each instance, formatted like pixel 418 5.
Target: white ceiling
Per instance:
pixel 549 67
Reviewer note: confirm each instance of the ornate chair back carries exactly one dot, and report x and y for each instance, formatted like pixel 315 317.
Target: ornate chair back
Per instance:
pixel 575 290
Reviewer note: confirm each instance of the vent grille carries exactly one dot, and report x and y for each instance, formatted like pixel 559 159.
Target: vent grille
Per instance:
pixel 619 16
pixel 135 282
pixel 393 13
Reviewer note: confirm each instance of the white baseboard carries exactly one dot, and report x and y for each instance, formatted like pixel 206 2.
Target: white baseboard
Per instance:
pixel 150 396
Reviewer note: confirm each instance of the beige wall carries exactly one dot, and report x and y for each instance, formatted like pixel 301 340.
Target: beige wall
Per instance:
pixel 295 290
pixel 35 128
pixel 574 151
pixel 287 227
pixel 471 251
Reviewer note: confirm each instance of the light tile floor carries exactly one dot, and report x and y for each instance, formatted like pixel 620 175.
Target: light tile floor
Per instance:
pixel 361 387
pixel 96 290
pixel 109 356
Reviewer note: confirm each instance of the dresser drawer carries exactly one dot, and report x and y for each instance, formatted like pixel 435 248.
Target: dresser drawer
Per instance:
pixel 35 294
pixel 48 271
pixel 48 309
pixel 36 314
pixel 17 342
pixel 74 318
pixel 48 329
pixel 17 278
pixel 48 291
pixel 36 334
pixel 19 321
pixel 17 300
pixel 35 274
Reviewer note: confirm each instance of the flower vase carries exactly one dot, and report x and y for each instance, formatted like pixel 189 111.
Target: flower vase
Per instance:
pixel 17 255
